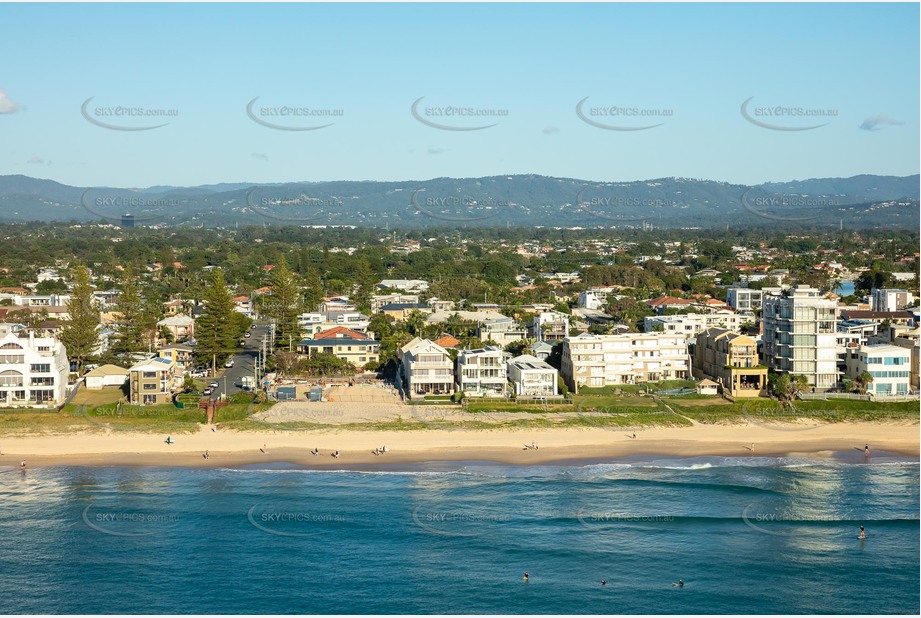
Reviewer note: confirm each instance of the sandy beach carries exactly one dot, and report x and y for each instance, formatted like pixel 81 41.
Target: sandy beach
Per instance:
pixel 230 448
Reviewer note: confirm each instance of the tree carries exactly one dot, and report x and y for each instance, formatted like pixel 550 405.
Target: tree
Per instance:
pixel 214 329
pixel 79 334
pixel 284 304
pixel 28 318
pixel 415 322
pixel 863 381
pixel 128 323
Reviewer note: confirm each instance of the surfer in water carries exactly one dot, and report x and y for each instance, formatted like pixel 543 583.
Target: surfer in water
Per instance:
pixel 603 582
pixel 678 584
pixel 862 534
pixel 525 578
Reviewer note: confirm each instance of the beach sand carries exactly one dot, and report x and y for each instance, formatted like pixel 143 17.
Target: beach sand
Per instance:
pixel 234 448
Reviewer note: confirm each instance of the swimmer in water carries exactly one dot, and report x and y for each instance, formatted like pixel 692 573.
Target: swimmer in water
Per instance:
pixel 525 576
pixel 603 582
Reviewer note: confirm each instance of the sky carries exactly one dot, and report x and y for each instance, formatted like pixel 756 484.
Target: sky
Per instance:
pixel 742 93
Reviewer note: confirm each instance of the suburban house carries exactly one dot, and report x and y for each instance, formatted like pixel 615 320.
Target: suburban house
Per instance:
pixel 105 375
pixel 336 304
pixel 888 364
pixel 312 323
pixel 540 349
pixel 181 327
pixel 532 377
pixel 630 358
pixel 33 371
pixel 379 300
pixel 731 360
pixel 426 369
pixel 343 343
pixel 549 326
pixel 153 380
pixel 401 311
pixel 502 330
pixel 481 373
pixel 411 286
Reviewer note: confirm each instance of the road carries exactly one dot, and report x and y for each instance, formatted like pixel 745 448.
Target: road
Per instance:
pixel 244 363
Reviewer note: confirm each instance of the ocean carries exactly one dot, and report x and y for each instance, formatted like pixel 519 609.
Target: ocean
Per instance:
pixel 748 535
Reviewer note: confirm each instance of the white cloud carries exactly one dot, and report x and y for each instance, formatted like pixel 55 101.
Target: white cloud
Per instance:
pixel 7 105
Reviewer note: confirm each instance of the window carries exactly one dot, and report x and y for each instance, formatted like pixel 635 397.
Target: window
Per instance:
pixel 10 378
pixel 149 399
pixel 12 359
pixel 10 346
pixel 149 386
pixel 148 375
pixel 41 368
pixel 42 396
pixel 41 381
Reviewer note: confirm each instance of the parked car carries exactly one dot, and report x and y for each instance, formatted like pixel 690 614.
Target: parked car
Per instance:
pixel 247 334
pixel 213 385
pixel 208 391
pixel 229 363
pixel 253 327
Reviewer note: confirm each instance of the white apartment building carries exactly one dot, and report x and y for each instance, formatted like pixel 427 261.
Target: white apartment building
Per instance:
pixel 889 299
pixel 629 358
pixel 426 368
pixel 888 364
pixel 532 377
pixel 316 322
pixel 379 300
pixel 550 326
pixel 595 298
pixel 33 371
pixel 744 299
pixel 800 335
pixel 481 373
pixel 692 324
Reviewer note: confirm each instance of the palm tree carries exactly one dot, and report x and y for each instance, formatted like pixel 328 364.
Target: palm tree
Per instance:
pixel 862 382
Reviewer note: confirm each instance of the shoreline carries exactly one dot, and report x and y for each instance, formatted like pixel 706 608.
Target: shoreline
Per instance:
pixel 245 448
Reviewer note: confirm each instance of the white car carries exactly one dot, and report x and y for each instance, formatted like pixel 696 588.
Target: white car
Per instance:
pixel 229 363
pixel 208 391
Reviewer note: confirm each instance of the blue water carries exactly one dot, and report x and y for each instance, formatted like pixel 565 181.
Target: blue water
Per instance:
pixel 845 289
pixel 747 535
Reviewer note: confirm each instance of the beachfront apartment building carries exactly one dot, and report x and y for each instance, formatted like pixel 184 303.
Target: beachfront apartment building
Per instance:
pixel 481 373
pixel 152 381
pixel 628 358
pixel 800 336
pixel 731 360
pixel 692 324
pixel 502 330
pixel 343 343
pixel 426 368
pixel 33 371
pixel 744 299
pixel 532 377
pixel 888 364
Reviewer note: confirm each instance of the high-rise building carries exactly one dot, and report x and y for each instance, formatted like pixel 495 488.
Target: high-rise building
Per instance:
pixel 799 335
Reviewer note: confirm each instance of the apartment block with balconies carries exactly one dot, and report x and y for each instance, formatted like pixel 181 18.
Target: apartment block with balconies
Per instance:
pixel 731 360
pixel 33 371
pixel 426 369
pixel 481 373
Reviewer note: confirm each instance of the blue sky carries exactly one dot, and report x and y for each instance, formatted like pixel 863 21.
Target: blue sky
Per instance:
pixel 690 66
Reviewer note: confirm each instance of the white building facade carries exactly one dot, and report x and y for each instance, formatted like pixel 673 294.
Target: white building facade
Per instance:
pixel 630 358
pixel 33 371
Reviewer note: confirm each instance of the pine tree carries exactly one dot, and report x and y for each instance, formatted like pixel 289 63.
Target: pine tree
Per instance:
pixel 285 304
pixel 214 329
pixel 79 334
pixel 129 337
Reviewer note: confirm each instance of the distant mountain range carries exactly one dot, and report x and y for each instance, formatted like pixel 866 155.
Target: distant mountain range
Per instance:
pixel 863 201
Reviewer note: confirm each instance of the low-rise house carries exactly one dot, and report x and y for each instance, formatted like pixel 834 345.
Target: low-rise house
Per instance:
pixel 336 304
pixel 440 305
pixel 888 364
pixel 411 286
pixel 181 327
pixel 426 369
pixel 379 300
pixel 314 322
pixel 532 377
pixel 502 330
pixel 153 380
pixel 731 360
pixel 540 349
pixel 481 373
pixel 707 387
pixel 401 311
pixel 105 375
pixel 33 370
pixel 549 326
pixel 343 343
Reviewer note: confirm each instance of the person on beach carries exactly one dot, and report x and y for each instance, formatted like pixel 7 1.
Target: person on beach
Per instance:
pixel 22 464
pixel 169 439
pixel 866 450
pixel 315 451
pixel 336 454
